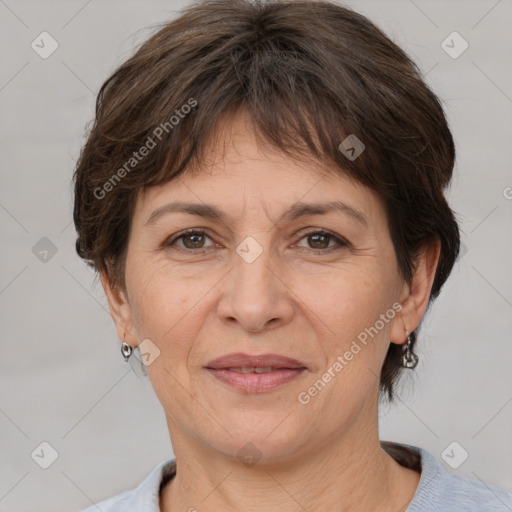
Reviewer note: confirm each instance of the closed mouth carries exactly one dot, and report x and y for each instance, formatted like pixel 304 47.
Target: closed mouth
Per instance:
pixel 259 363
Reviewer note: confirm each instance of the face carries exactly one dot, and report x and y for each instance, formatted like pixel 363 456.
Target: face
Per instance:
pixel 257 280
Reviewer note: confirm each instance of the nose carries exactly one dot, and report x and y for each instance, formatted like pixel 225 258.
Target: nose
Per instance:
pixel 255 294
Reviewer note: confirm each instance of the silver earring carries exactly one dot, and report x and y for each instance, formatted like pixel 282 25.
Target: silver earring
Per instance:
pixel 409 359
pixel 126 350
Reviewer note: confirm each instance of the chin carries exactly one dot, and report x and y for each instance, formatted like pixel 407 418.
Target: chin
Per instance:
pixel 261 439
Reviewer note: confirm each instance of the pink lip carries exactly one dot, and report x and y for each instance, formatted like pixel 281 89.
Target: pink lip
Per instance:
pixel 256 382
pixel 239 359
pixel 286 369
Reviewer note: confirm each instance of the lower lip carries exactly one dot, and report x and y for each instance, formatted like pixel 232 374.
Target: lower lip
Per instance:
pixel 256 382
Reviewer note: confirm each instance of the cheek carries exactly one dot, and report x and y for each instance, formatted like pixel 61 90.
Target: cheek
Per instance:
pixel 154 300
pixel 347 299
pixel 168 310
pixel 347 309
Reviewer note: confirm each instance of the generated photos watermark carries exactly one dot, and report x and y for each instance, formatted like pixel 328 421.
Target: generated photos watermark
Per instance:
pixel 145 149
pixel 304 397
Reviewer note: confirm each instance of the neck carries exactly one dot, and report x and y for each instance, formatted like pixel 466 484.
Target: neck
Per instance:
pixel 350 473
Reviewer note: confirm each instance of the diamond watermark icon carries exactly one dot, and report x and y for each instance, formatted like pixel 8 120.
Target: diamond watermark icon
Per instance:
pixel 351 147
pixel 44 455
pixel 249 454
pixel 454 45
pixel 249 249
pixel 44 250
pixel 44 45
pixel 454 455
pixel 148 352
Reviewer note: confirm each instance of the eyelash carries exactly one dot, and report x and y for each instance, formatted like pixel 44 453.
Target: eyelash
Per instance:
pixel 341 243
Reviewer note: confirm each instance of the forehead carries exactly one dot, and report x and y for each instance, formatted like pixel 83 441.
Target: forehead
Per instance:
pixel 240 171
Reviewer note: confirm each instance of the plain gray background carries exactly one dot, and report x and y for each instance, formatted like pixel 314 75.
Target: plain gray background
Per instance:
pixel 63 380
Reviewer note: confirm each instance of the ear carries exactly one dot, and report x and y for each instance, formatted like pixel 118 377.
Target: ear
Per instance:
pixel 120 310
pixel 415 295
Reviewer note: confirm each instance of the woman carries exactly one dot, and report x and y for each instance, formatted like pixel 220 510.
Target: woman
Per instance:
pixel 262 194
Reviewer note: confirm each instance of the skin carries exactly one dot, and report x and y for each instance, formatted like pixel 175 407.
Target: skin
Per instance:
pixel 293 300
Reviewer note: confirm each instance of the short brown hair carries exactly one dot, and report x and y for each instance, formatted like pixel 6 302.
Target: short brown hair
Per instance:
pixel 310 73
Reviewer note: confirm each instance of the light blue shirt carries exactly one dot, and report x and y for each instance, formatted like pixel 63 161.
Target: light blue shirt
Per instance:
pixel 438 491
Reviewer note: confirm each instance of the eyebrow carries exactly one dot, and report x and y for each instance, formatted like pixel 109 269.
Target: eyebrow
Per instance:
pixel 296 211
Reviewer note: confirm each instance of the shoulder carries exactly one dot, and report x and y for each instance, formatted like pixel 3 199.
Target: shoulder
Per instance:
pixel 116 503
pixel 144 498
pixel 439 490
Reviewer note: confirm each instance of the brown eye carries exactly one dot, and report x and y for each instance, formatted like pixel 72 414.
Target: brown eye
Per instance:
pixel 320 240
pixel 193 240
pixel 190 240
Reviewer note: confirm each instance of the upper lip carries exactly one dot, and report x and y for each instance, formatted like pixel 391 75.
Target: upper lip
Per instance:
pixel 240 360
